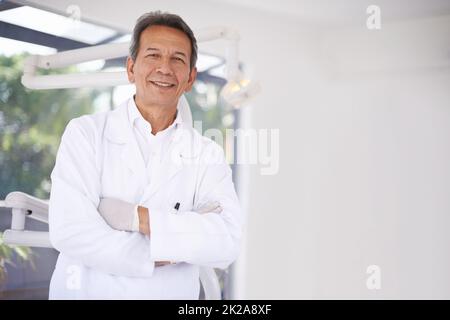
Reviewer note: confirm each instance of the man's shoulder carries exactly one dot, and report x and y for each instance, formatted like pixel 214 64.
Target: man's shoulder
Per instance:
pixel 92 123
pixel 88 123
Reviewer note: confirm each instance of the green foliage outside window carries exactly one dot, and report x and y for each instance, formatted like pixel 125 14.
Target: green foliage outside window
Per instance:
pixel 31 125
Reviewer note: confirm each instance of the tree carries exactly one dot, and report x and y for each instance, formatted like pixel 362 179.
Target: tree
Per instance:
pixel 31 125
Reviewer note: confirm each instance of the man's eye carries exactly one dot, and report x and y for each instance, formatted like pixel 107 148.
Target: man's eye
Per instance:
pixel 179 59
pixel 152 55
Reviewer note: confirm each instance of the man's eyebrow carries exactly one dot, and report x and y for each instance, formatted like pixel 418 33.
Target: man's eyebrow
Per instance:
pixel 180 53
pixel 176 52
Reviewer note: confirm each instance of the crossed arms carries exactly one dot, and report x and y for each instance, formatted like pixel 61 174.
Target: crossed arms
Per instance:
pixel 80 232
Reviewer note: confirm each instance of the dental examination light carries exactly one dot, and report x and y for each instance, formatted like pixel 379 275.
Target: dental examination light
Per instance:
pixel 238 90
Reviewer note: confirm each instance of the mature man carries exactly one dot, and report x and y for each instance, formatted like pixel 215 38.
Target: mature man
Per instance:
pixel 139 199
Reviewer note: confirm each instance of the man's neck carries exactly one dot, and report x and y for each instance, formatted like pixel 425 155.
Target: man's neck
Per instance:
pixel 159 117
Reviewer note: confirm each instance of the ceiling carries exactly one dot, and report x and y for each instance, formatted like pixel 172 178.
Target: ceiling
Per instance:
pixel 324 13
pixel 345 11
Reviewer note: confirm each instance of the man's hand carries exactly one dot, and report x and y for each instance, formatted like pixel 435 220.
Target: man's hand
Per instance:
pixel 162 263
pixel 120 215
pixel 144 220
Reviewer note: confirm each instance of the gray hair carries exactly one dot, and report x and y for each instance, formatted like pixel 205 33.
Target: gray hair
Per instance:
pixel 158 18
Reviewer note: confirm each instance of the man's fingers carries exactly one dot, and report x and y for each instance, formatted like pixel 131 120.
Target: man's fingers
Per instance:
pixel 217 210
pixel 118 214
pixel 162 263
pixel 213 206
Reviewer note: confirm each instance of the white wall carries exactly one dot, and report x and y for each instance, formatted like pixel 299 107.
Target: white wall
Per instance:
pixel 364 119
pixel 364 174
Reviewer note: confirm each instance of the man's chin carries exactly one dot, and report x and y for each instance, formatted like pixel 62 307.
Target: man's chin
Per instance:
pixel 162 103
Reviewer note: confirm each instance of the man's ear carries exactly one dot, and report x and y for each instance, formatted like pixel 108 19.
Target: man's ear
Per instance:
pixel 130 71
pixel 192 77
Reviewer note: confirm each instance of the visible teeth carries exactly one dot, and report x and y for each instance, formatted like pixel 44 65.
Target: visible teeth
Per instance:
pixel 162 84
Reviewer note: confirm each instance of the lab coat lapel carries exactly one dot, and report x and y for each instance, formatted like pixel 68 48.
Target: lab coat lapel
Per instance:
pixel 132 158
pixel 119 131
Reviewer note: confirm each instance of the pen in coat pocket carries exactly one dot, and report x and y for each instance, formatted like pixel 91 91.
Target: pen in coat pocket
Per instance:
pixel 175 209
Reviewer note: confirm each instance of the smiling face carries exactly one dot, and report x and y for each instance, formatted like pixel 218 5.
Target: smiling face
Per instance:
pixel 161 71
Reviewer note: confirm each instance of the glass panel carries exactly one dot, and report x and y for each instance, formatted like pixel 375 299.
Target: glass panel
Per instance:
pixel 11 47
pixel 56 24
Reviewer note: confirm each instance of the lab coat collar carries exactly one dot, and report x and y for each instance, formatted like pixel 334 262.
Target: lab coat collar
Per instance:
pixel 118 127
pixel 134 114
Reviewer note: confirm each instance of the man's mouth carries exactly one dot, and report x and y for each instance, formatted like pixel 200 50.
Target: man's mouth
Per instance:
pixel 162 84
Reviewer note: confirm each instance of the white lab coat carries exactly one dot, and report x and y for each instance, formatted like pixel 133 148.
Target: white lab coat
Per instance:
pixel 99 157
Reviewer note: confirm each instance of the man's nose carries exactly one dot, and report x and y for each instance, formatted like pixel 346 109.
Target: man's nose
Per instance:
pixel 164 67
